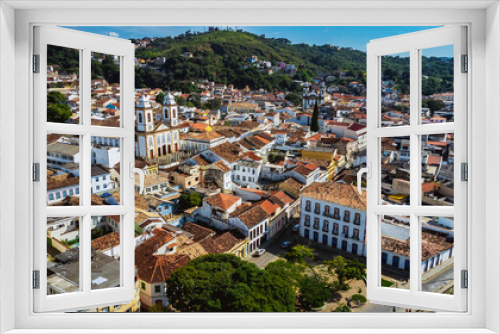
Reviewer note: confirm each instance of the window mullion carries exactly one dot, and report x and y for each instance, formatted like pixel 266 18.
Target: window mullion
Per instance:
pixel 86 176
pixel 415 167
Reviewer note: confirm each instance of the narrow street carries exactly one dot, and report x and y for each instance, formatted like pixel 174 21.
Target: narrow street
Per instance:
pixel 273 248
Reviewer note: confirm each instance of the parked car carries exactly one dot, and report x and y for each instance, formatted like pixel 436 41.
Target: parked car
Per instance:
pixel 259 252
pixel 296 228
pixel 286 244
pixel 105 195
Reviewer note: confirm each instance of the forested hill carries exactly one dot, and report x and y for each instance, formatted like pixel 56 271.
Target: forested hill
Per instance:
pixel 222 56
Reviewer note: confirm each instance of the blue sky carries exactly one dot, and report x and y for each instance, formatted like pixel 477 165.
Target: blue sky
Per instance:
pixel 346 36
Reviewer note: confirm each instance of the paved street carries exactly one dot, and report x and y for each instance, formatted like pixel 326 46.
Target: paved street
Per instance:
pixel 273 248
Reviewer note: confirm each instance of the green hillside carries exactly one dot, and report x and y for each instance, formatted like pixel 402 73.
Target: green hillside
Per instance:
pixel 221 56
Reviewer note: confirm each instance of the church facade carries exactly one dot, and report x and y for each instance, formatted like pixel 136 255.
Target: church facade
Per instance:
pixel 312 96
pixel 157 134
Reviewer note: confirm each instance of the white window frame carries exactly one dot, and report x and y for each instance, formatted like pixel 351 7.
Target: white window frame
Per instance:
pixel 15 29
pixel 85 43
pixel 413 43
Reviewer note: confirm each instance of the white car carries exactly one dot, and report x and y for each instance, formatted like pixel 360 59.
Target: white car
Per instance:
pixel 296 228
pixel 259 252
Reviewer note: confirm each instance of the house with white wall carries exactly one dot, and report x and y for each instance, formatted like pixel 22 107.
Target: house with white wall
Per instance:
pixel 334 214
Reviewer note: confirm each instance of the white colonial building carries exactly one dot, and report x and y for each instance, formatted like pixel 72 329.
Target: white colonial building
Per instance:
pixel 334 214
pixel 100 180
pixel 105 151
pixel 246 172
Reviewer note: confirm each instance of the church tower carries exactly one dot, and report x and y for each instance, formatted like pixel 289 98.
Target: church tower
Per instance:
pixel 170 110
pixel 170 117
pixel 144 114
pixel 305 93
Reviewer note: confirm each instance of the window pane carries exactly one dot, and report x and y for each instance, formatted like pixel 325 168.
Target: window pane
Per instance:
pixel 63 84
pixel 105 172
pixel 395 243
pixel 105 90
pixel 437 85
pixel 105 235
pixel 437 169
pixel 63 255
pixel 395 173
pixel 437 254
pixel 63 170
pixel 395 90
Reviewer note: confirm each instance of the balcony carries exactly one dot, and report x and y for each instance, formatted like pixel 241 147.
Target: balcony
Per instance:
pixel 331 215
pixel 325 229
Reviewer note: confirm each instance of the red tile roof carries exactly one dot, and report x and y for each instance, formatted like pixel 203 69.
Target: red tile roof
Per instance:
pixel 433 160
pixel 223 201
pixel 428 187
pixel 282 196
pixel 253 216
pixel 268 206
pixel 437 143
pixel 338 193
pixel 106 242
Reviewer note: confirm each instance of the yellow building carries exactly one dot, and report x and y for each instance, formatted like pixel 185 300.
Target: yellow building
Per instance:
pixel 324 155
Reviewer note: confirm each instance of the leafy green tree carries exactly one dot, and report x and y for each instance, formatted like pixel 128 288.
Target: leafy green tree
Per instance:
pixel 58 113
pixel 187 201
pixel 433 105
pixel 110 70
pixel 180 100
pixel 314 121
pixel 314 291
pixel 346 269
pixel 286 270
pixel 160 97
pixel 339 266
pixel 55 97
pixel 195 99
pixel 212 104
pixel 342 308
pixel 356 270
pixel 272 157
pixel 97 233
pixel 294 98
pixel 299 254
pixel 225 283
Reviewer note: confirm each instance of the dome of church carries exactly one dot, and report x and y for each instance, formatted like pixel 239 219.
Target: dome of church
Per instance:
pixel 144 102
pixel 169 100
